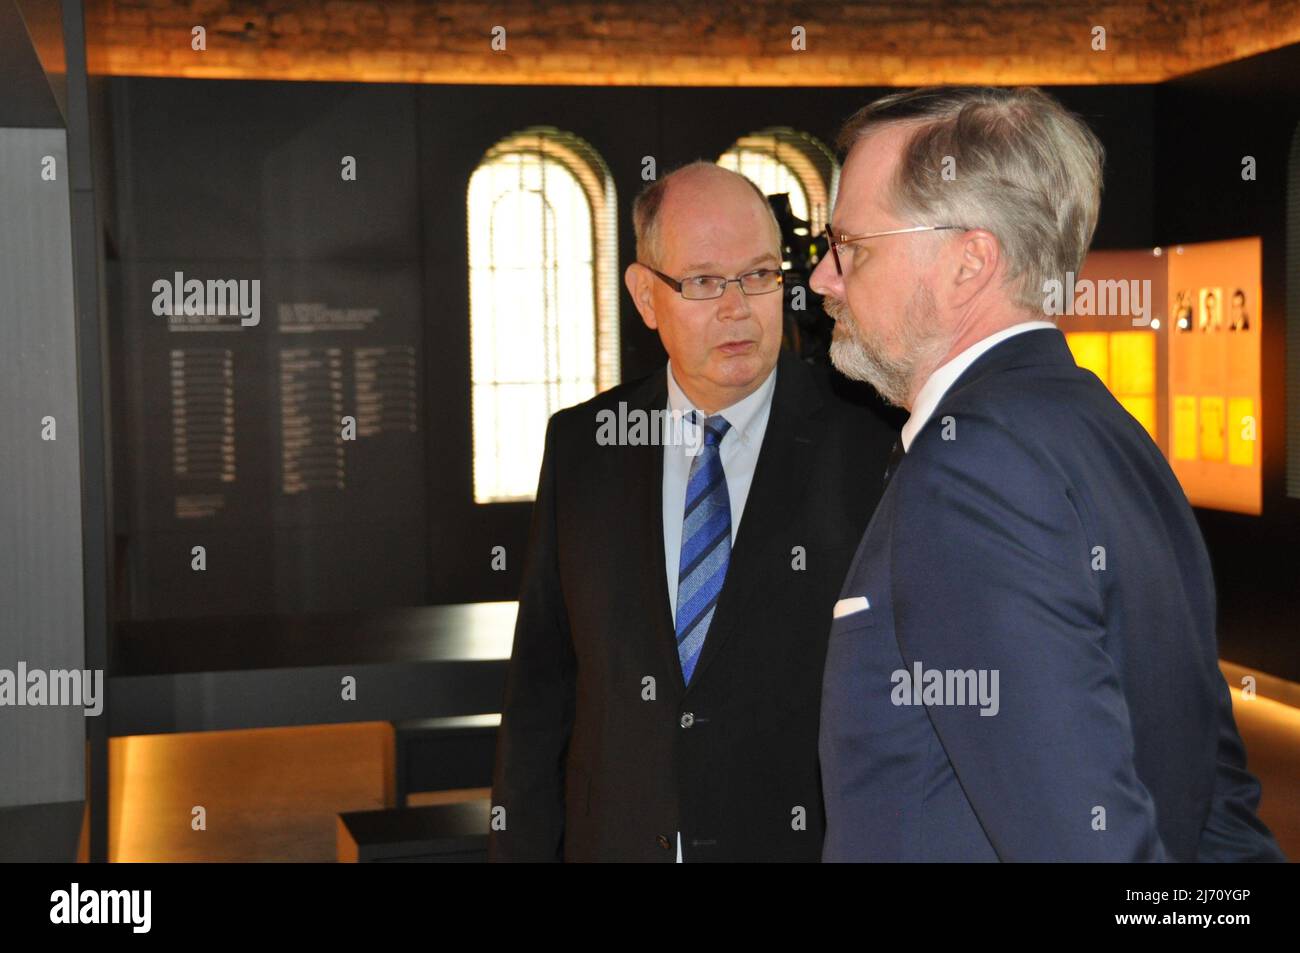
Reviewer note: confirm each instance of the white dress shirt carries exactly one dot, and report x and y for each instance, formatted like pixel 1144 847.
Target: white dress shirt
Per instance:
pixel 739 453
pixel 944 377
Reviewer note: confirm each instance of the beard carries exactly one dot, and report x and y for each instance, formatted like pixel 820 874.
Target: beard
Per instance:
pixel 863 359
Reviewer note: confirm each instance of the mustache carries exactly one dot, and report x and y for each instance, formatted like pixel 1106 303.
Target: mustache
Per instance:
pixel 836 308
pixel 838 311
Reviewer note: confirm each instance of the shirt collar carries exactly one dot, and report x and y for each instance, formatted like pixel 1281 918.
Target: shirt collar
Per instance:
pixel 933 390
pixel 742 415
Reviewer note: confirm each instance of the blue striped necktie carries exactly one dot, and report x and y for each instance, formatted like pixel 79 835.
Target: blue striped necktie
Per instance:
pixel 706 544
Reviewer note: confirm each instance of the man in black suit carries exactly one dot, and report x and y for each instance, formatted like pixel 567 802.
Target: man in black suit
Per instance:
pixel 690 532
pixel 1022 664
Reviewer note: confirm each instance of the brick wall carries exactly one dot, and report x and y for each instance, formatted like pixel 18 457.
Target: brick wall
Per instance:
pixel 684 42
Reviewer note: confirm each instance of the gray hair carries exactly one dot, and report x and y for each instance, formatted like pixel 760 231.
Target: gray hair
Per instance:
pixel 646 208
pixel 1026 169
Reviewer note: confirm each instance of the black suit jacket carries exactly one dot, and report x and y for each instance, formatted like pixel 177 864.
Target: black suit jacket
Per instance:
pixel 603 753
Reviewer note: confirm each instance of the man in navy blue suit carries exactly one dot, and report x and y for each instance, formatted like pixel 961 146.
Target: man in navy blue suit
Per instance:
pixel 1022 664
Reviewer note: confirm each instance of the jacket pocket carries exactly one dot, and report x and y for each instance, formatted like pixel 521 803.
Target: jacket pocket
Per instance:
pixel 862 619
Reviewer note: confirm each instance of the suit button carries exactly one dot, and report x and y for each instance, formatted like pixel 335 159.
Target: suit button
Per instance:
pixel 664 842
pixel 688 719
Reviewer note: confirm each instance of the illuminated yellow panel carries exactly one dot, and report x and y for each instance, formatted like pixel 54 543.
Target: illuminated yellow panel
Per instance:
pixel 1091 350
pixel 1143 409
pixel 1212 426
pixel 1133 363
pixel 1242 430
pixel 1184 428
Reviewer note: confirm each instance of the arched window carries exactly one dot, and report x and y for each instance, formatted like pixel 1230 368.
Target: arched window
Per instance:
pixel 781 159
pixel 543 298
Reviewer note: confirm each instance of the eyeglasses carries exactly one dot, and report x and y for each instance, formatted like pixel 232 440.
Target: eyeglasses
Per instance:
pixel 835 243
pixel 703 287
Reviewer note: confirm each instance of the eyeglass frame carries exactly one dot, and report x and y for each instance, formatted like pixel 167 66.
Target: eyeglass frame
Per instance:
pixel 834 242
pixel 676 284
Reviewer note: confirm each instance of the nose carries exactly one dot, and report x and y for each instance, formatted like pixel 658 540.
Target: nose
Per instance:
pixel 734 303
pixel 824 279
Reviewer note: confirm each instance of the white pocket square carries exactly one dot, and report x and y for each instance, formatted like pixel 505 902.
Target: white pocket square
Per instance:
pixel 849 606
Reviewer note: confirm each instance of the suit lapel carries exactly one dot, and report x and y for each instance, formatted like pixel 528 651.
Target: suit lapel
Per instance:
pixel 783 460
pixel 643 506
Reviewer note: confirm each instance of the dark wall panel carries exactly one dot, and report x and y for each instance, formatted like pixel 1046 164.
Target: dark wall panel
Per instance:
pixel 1205 124
pixel 251 170
pixel 239 178
pixel 235 431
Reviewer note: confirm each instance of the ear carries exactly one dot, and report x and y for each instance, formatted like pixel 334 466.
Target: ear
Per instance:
pixel 639 283
pixel 978 259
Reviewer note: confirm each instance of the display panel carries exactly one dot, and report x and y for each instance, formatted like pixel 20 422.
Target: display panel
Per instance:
pixel 1115 325
pixel 1214 376
pixel 286 444
pixel 1174 334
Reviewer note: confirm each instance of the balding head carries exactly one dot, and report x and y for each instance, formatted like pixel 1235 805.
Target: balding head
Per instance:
pixel 685 187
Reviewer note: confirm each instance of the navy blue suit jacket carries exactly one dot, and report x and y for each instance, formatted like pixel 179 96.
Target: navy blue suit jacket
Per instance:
pixel 1033 533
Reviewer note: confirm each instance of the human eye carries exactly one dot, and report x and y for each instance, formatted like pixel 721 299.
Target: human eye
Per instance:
pixel 703 282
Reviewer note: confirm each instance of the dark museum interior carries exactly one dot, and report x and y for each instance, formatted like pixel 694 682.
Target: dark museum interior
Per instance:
pixel 204 536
